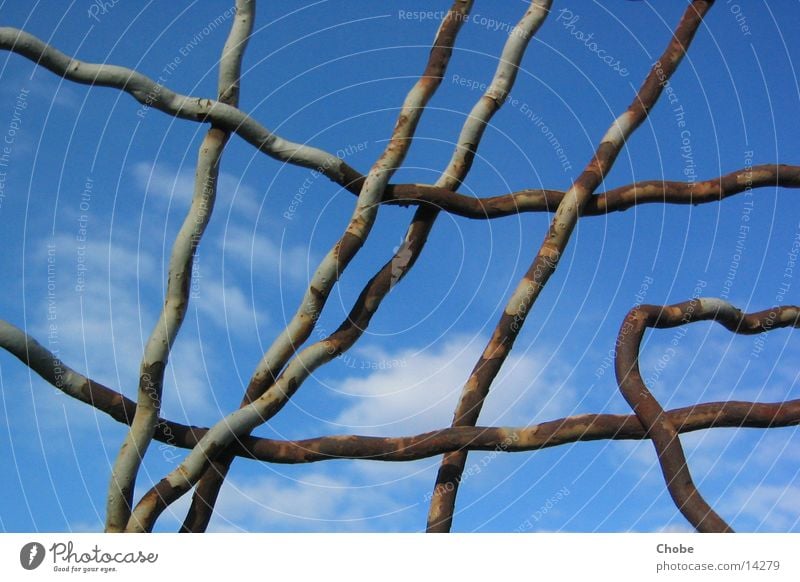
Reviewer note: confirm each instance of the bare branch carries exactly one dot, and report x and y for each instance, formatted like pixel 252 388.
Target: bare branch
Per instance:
pixel 223 115
pixel 615 200
pixel 440 515
pixel 159 344
pixel 155 95
pixel 562 431
pixel 583 427
pixel 327 274
pixel 401 262
pixel 661 430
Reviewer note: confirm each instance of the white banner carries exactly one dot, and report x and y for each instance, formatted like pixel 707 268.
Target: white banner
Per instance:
pixel 375 558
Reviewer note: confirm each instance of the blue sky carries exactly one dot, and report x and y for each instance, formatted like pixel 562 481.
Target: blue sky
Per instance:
pixel 333 74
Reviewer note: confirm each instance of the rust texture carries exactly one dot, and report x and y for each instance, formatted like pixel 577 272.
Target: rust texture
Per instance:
pixel 207 489
pixel 283 373
pixel 661 430
pixel 474 392
pixel 614 200
pixel 584 427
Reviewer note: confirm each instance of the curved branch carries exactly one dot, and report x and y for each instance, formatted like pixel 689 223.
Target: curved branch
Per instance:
pixel 159 344
pixel 583 427
pixel 615 200
pixel 474 392
pixel 153 94
pixel 327 274
pixel 579 428
pixel 398 265
pixel 661 430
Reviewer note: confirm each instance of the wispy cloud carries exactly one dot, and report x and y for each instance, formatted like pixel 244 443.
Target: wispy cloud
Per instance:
pixel 319 501
pixel 419 389
pixel 768 507
pixel 103 320
pixel 168 183
pixel 226 305
pixel 266 256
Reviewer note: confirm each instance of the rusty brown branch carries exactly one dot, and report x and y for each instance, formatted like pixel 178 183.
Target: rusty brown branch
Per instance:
pixel 474 392
pixel 275 390
pixel 406 256
pixel 208 487
pixel 584 427
pixel 615 200
pixel 660 427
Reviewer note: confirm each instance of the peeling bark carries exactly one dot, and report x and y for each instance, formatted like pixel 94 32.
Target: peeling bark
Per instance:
pixel 284 366
pixel 474 392
pixel 327 274
pixel 578 428
pixel 159 344
pixel 661 430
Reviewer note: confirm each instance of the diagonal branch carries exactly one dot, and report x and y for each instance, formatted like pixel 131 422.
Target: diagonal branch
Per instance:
pixel 660 429
pixel 397 267
pixel 221 113
pixel 159 344
pixel 327 274
pixel 440 515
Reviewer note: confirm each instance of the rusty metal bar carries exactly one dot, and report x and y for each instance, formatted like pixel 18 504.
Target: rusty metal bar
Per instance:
pixel 440 514
pixel 660 428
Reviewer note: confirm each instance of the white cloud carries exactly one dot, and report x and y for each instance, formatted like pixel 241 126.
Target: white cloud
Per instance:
pixel 421 392
pixel 187 386
pixel 771 507
pixel 168 183
pixel 316 502
pixel 676 528
pixel 99 316
pixel 102 326
pixel 227 306
pixel 259 254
